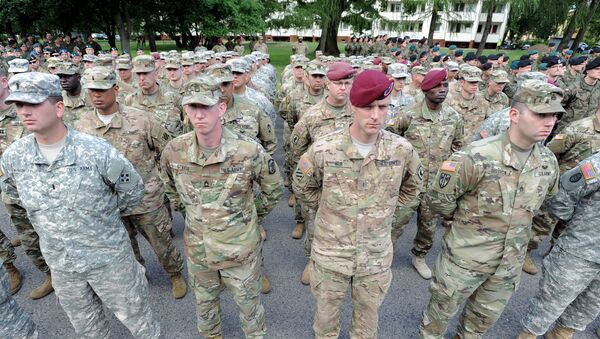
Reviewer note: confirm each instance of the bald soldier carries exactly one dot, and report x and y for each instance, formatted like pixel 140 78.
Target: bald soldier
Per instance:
pixel 211 172
pixel 491 191
pixel 362 181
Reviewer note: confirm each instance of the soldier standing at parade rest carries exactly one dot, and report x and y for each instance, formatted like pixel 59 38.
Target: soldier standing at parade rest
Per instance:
pixel 491 190
pixel 211 173
pixel 362 181
pixel 74 187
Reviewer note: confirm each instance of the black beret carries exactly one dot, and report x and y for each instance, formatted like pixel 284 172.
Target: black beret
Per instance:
pixel 492 57
pixel 524 63
pixel 486 66
pixel 593 64
pixel 458 52
pixel 470 56
pixel 577 60
pixel 524 57
pixel 482 59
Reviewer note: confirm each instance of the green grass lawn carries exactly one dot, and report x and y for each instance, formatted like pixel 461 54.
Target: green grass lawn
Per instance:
pixel 280 51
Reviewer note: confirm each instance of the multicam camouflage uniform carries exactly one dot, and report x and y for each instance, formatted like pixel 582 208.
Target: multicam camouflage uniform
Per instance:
pixel 580 101
pixel 221 237
pixel 246 118
pixel 14 321
pixel 569 292
pixel 435 136
pixel 358 201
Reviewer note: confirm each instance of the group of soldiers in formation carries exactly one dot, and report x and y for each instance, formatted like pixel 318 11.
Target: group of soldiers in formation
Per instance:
pixel 98 149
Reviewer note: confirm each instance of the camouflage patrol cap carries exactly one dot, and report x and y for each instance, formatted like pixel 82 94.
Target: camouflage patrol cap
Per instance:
pixel 89 58
pixel 202 90
pixel 33 87
pixel 66 68
pixel 199 59
pixel 540 96
pixel 187 59
pixel 99 78
pixel 18 65
pixel 104 60
pixel 499 76
pixel 221 72
pixel 316 67
pixel 53 61
pixel 163 55
pixel 397 70
pixel 239 65
pixel 172 62
pixel 173 53
pixel 418 70
pixel 143 64
pixel 451 66
pixel 531 75
pixel 123 62
pixel 470 73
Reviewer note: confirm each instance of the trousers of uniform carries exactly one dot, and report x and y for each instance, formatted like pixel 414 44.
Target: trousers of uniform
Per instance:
pixel 426 224
pixel 14 321
pixel 154 226
pixel 486 296
pixel 287 133
pixel 7 251
pixel 542 225
pixel 29 238
pixel 569 293
pixel 309 223
pixel 329 289
pixel 243 283
pixel 121 286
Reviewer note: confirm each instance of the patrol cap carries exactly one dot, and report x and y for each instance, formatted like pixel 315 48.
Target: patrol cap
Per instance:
pixel 540 96
pixel 172 62
pixel 499 76
pixel 452 66
pixel 89 58
pixel 53 61
pixel 202 90
pixel 315 67
pixel 66 68
pixel 99 78
pixel 220 72
pixel 123 62
pixel 187 59
pixel 397 70
pixel 104 60
pixel 418 70
pixel 591 65
pixel 531 75
pixel 18 65
pixel 238 65
pixel 163 55
pixel 143 64
pixel 470 73
pixel 33 87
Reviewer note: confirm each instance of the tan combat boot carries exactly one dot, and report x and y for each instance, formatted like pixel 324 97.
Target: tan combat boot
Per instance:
pixel 14 278
pixel 421 266
pixel 286 181
pixel 529 264
pixel 298 230
pixel 526 335
pixel 266 285
pixel 16 242
pixel 44 289
pixel 306 273
pixel 560 333
pixel 292 200
pixel 179 288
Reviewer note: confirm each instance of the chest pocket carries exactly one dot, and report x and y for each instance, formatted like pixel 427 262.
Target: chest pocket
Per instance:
pixel 595 144
pixel 418 137
pixel 495 196
pixel 339 184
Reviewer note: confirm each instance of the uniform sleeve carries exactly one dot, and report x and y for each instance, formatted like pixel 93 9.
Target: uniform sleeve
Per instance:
pixel 455 177
pixel 307 180
pixel 400 124
pixel 292 114
pixel 174 124
pixel 10 195
pixel 158 137
pixel 573 187
pixel 411 191
pixel 269 180
pixel 457 139
pixel 126 182
pixel 166 175
pixel 563 142
pixel 266 132
pixel 128 100
pixel 299 142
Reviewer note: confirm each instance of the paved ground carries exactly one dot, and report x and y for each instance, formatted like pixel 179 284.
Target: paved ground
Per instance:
pixel 290 306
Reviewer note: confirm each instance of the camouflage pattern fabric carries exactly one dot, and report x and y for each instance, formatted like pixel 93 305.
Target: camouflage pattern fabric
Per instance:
pixel 14 321
pixel 7 251
pixel 473 113
pixel 495 124
pixel 164 106
pixel 246 118
pixel 75 106
pixel 580 101
pixel 497 101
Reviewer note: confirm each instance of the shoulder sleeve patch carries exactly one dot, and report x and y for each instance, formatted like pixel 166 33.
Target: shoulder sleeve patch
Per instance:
pixel 449 166
pixel 588 171
pixel 306 166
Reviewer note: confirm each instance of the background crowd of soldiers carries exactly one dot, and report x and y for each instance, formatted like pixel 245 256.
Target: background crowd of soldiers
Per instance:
pixel 439 102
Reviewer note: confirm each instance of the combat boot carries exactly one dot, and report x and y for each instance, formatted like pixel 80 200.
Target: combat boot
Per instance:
pixel 266 285
pixel 598 332
pixel 529 265
pixel 44 289
pixel 14 278
pixel 292 200
pixel 179 288
pixel 526 335
pixel 306 273
pixel 16 242
pixel 421 266
pixel 286 182
pixel 560 333
pixel 298 230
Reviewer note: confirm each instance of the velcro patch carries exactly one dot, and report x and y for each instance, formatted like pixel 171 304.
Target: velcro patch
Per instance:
pixel 588 171
pixel 449 166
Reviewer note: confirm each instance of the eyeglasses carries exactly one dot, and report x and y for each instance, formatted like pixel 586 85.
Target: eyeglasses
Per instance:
pixel 346 83
pixel 32 62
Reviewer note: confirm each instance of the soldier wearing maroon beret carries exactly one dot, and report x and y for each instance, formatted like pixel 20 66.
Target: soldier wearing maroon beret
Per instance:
pixel 362 181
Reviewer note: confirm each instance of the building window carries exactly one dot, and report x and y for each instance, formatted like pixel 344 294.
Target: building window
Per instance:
pixel 493 30
pixel 411 26
pixel 464 7
pixel 437 27
pixel 395 7
pixel 461 27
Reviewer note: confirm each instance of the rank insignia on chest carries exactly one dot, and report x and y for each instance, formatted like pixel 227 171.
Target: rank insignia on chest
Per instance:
pixel 124 178
pixel 2 132
pixel 588 171
pixel 449 166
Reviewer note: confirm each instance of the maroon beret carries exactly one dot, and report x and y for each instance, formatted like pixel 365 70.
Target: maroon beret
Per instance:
pixel 369 86
pixel 377 61
pixel 434 78
pixel 155 55
pixel 339 71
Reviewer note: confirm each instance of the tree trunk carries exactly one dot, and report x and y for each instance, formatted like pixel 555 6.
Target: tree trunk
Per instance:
pixel 434 18
pixel 123 23
pixel 568 33
pixel 586 23
pixel 151 41
pixel 329 26
pixel 487 27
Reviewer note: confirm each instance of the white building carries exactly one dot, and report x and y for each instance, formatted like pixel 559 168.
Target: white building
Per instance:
pixel 461 26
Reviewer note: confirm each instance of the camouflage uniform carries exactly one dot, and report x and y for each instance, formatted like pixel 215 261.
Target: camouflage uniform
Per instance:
pixel 569 291
pixel 239 49
pixel 496 102
pixel 141 139
pixel 246 118
pixel 14 321
pixel 300 48
pixel 124 62
pixel 434 135
pixel 483 252
pixel 286 105
pixel 221 237
pixel 358 202
pixel 580 102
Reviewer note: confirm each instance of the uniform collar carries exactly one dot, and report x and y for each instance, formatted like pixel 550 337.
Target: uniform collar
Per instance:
pixel 66 156
pixel 508 159
pixel 326 113
pixel 377 153
pixel 221 154
pixel 116 122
